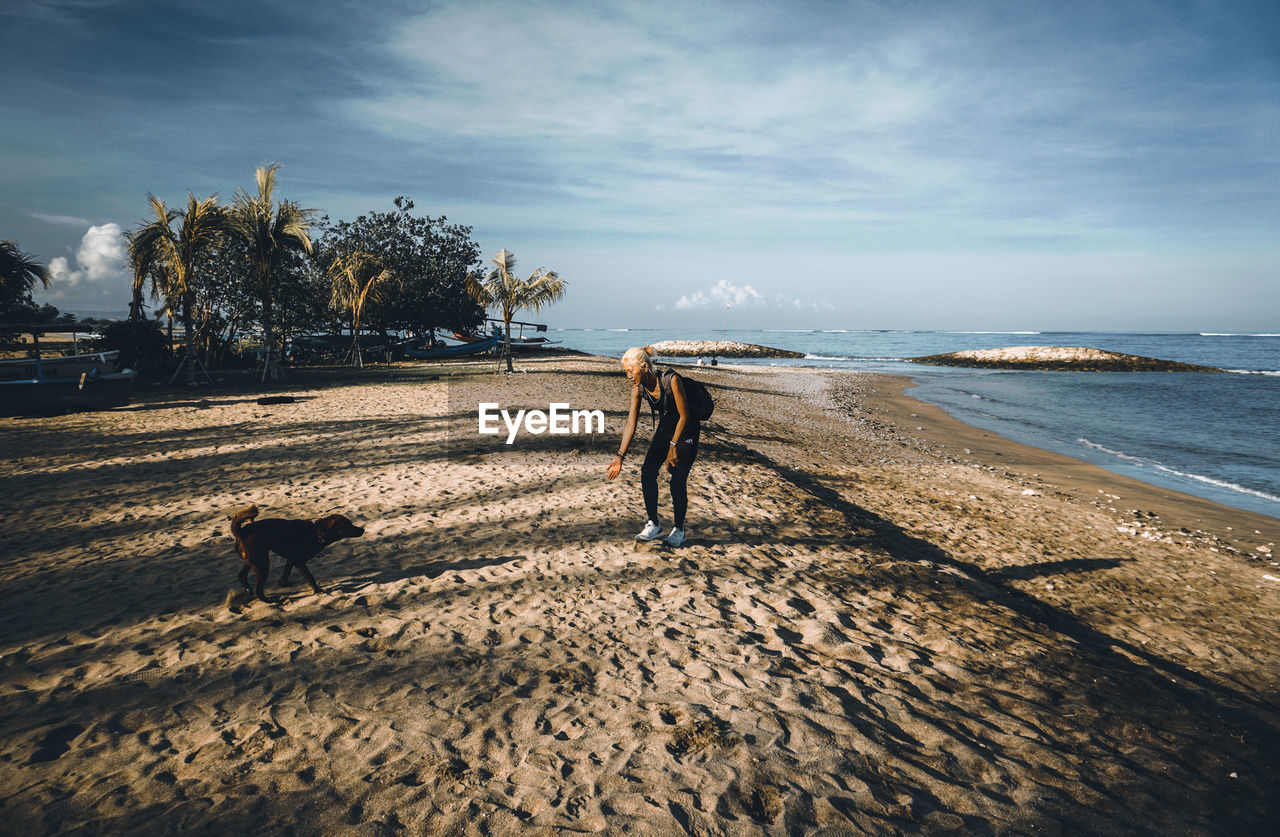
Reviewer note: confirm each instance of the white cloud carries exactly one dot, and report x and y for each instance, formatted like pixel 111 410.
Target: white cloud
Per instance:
pixel 725 293
pixel 783 301
pixel 61 220
pixel 722 293
pixel 98 277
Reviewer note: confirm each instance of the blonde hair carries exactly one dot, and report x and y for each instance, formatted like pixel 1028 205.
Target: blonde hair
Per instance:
pixel 638 357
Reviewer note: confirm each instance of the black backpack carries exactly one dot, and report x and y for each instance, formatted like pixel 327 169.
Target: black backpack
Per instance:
pixel 695 394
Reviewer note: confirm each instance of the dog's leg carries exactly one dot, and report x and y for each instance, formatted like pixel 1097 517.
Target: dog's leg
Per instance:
pixel 306 573
pixel 288 568
pixel 244 577
pixel 261 564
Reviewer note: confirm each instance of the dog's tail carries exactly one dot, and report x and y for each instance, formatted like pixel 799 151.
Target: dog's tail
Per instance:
pixel 240 518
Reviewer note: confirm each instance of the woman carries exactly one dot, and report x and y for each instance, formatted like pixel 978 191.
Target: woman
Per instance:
pixel 675 441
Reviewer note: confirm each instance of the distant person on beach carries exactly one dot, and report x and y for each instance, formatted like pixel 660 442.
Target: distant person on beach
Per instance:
pixel 682 404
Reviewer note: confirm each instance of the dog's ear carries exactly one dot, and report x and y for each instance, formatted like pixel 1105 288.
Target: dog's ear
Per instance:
pixel 337 526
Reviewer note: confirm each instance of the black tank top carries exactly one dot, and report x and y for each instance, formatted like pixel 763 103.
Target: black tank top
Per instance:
pixel 663 408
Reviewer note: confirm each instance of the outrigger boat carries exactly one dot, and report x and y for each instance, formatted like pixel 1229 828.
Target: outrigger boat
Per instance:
pixel 478 347
pixel 89 391
pixel 40 385
pixel 518 341
pixel 66 366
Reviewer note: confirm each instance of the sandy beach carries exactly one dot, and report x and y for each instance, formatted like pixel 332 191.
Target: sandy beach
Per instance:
pixel 884 622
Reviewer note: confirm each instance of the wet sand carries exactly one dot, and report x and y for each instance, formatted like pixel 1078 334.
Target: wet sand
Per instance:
pixel 884 622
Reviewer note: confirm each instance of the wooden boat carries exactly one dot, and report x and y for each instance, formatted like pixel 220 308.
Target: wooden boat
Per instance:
pixel 460 350
pixel 519 343
pixel 526 344
pixel 68 366
pixel 87 391
pixel 468 337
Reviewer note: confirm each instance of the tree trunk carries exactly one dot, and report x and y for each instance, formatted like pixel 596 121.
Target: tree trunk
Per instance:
pixel 506 345
pixel 135 306
pixel 271 365
pixel 357 359
pixel 189 337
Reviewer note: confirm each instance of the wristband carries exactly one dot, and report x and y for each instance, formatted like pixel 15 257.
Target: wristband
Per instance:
pixel 673 444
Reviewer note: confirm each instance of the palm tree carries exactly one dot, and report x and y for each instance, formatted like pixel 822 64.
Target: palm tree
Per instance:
pixel 270 228
pixel 19 272
pixel 149 251
pixel 168 258
pixel 502 290
pixel 358 278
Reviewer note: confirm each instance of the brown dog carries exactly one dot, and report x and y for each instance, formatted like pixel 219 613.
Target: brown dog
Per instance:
pixel 297 541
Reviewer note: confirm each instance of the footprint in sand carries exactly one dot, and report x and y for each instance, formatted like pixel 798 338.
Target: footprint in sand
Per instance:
pixel 55 743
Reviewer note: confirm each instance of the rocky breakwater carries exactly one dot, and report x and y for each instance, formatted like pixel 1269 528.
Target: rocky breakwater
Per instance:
pixel 717 348
pixel 1059 358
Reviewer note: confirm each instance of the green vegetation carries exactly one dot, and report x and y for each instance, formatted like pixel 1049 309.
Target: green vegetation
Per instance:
pixel 169 260
pixel 429 258
pixel 263 271
pixel 271 229
pixel 358 278
pixel 502 290
pixel 20 273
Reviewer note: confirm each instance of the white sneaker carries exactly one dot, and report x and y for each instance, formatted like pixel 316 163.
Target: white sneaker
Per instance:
pixel 675 538
pixel 650 532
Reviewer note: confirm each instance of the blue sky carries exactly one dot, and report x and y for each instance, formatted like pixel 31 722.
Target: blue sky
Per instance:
pixel 1013 165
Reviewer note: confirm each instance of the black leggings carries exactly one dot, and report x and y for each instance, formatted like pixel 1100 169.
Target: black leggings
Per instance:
pixel 686 451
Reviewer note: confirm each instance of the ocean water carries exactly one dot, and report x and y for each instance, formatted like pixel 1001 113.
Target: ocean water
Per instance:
pixel 1215 436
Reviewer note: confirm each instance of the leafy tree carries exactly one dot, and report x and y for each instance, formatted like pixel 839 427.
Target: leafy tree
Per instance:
pixel 171 259
pixel 19 275
pixel 502 290
pixel 358 278
pixel 431 258
pixel 303 298
pixel 225 298
pixel 271 229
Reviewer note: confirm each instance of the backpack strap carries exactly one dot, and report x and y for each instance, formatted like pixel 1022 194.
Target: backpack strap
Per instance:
pixel 665 395
pixel 651 401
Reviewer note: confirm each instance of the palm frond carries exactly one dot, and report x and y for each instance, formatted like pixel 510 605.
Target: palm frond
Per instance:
pixel 500 288
pixel 269 227
pixel 153 251
pixel 506 263
pixel 266 177
pixel 19 271
pixel 479 289
pixel 542 288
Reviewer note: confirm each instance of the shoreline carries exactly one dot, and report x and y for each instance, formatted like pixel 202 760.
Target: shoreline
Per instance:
pixel 1081 478
pixel 927 426
pixel 868 629
pixel 909 382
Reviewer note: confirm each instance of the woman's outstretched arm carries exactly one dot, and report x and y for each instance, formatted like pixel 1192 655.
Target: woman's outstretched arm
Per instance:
pixel 615 467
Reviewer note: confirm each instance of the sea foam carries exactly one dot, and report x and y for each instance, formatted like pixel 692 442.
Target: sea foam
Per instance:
pixel 1230 486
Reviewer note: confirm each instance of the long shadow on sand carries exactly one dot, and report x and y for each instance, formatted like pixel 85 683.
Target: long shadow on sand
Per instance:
pixel 1250 717
pixel 907 547
pixel 467 677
